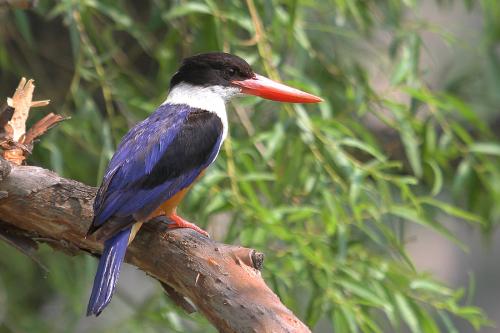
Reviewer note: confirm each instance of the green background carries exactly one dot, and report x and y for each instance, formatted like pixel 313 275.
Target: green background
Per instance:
pixel 330 192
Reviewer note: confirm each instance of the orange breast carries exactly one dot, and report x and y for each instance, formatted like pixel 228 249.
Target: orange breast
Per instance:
pixel 169 206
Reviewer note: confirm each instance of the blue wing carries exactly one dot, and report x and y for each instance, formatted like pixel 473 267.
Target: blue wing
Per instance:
pixel 157 158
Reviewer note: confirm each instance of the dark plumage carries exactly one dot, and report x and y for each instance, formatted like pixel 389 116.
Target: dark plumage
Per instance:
pixel 210 69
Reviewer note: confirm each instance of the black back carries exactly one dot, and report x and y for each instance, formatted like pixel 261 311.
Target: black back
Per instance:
pixel 210 69
pixel 193 146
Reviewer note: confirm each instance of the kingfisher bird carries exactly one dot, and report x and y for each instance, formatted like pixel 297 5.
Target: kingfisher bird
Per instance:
pixel 161 157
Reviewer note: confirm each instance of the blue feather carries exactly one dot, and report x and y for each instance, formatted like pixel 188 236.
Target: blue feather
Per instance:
pixel 137 154
pixel 108 271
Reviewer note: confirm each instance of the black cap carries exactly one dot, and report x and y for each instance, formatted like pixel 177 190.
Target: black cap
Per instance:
pixel 211 69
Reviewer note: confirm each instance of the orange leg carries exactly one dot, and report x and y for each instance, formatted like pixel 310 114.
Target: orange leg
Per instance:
pixel 179 222
pixel 169 207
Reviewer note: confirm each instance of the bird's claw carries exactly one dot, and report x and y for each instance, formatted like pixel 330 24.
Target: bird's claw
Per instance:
pixel 175 221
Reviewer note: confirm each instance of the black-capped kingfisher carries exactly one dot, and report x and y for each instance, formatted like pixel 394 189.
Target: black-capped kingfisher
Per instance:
pixel 160 158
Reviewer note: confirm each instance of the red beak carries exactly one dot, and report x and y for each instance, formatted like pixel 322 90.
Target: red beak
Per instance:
pixel 266 88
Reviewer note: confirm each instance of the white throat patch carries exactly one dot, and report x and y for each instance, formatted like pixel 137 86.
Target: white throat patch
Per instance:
pixel 211 98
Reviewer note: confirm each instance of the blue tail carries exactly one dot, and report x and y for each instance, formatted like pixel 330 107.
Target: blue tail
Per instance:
pixel 107 272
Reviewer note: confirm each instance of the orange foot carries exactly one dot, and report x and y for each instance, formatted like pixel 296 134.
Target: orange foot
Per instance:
pixel 179 222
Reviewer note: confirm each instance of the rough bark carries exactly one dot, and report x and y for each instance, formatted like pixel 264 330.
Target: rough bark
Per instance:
pixel 222 281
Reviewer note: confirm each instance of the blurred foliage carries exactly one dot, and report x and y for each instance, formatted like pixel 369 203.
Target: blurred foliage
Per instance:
pixel 326 191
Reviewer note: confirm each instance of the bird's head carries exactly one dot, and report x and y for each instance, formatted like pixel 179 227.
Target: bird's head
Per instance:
pixel 228 75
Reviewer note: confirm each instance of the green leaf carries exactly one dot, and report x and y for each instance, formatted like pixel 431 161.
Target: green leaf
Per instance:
pixel 407 312
pixel 355 143
pixel 186 9
pixel 409 138
pixel 438 177
pixel 115 13
pixel 431 286
pixel 452 210
pixel 448 323
pixel 412 215
pixel 256 176
pixel 411 145
pixel 488 148
pixel 314 309
pixel 463 177
pixel 427 323
pixel 363 292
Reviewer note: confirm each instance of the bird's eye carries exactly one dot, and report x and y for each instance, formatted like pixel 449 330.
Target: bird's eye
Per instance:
pixel 231 71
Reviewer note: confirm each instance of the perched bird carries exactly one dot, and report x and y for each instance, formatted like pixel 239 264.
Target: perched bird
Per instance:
pixel 160 158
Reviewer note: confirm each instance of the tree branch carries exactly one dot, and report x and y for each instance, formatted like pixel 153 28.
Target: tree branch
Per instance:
pixel 15 142
pixel 223 281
